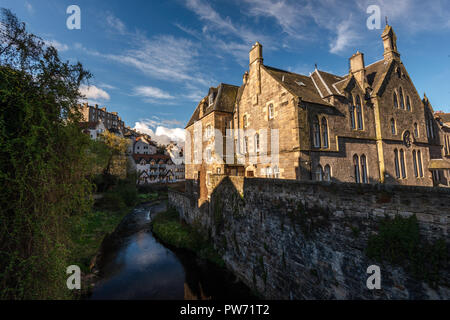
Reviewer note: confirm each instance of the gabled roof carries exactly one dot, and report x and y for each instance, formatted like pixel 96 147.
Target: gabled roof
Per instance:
pixel 298 85
pixel 224 101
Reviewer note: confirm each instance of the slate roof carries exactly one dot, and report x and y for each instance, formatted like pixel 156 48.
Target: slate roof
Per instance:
pixel 224 101
pixel 293 83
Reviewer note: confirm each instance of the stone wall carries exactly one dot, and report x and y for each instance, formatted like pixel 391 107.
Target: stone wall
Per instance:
pixel 306 240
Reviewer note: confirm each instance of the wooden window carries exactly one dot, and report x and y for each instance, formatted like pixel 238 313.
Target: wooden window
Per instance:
pixel 402 101
pixel 397 165
pixel 402 163
pixel 395 100
pixel 356 168
pixel 351 110
pixel 325 132
pixel 393 128
pixel 359 113
pixel 316 133
pixel 364 169
pixel 319 173
pixel 416 171
pixel 419 161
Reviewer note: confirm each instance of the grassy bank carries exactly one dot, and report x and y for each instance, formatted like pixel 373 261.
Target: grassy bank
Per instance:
pixel 89 230
pixel 168 228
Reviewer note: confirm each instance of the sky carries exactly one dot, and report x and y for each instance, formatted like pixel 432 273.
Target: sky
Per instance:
pixel 153 61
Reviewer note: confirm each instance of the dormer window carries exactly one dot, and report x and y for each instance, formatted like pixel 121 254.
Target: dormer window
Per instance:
pixel 211 98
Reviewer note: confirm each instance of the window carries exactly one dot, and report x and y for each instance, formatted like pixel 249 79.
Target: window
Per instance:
pixel 395 101
pixel 397 166
pixel 256 142
pixel 419 160
pixel 364 169
pixel 270 111
pixel 208 131
pixel 219 170
pixel 245 121
pixel 325 132
pixel 359 113
pixel 408 104
pixel 416 130
pixel 211 98
pixel 402 101
pixel 402 163
pixel 351 110
pixel 316 133
pixel 436 175
pixel 319 173
pixel 327 173
pixel 393 128
pixel 356 168
pixel 416 172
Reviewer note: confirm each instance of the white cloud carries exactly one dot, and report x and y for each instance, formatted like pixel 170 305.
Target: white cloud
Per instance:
pixel 115 23
pixel 345 37
pixel 152 92
pixel 57 45
pixel 161 133
pixel 93 92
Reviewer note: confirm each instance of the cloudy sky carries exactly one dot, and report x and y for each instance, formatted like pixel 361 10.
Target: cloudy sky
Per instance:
pixel 153 60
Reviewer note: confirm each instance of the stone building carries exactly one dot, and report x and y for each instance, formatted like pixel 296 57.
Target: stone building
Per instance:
pixel 111 120
pixel 368 126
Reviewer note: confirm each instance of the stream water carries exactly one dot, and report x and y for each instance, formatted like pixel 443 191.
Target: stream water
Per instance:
pixel 140 267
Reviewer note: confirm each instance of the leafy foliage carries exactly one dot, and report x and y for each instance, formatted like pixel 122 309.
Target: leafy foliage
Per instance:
pixel 44 167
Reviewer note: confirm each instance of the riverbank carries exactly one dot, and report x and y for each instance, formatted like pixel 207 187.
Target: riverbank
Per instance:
pixel 89 231
pixel 169 229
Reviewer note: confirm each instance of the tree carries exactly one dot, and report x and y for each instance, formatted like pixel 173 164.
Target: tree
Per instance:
pixel 117 146
pixel 44 165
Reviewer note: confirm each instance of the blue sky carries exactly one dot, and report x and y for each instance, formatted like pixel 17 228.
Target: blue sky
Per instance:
pixel 153 60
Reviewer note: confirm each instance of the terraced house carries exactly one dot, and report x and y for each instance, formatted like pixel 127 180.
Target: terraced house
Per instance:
pixel 368 126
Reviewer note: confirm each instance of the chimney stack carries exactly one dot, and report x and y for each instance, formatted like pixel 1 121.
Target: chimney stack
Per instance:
pixel 357 68
pixel 256 54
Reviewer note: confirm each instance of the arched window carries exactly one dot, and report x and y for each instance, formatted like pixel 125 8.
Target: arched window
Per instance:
pixel 393 129
pixel 402 101
pixel 364 169
pixel 356 168
pixel 351 111
pixel 256 142
pixel 359 113
pixel 416 130
pixel 325 132
pixel 316 133
pixel 319 173
pixel 271 111
pixel 408 104
pixel 402 163
pixel 327 173
pixel 395 101
pixel 397 165
pixel 416 172
pixel 419 161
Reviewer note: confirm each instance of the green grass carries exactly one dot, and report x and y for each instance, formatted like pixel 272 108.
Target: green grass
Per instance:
pixel 168 228
pixel 88 232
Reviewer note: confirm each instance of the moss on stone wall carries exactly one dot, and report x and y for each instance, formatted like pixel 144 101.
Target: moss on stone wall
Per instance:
pixel 399 242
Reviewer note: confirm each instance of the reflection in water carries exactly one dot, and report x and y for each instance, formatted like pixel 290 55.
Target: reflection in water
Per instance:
pixel 142 268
